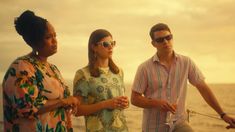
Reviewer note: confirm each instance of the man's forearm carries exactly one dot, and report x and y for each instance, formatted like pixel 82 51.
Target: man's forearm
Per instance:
pixel 143 102
pixel 209 97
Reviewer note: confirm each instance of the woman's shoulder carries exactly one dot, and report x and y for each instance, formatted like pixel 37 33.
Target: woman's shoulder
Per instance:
pixel 20 66
pixel 80 73
pixel 82 70
pixel 120 71
pixel 22 62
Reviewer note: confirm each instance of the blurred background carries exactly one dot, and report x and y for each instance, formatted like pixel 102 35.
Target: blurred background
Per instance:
pixel 203 30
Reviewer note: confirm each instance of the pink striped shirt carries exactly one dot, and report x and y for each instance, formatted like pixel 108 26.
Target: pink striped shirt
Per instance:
pixel 155 81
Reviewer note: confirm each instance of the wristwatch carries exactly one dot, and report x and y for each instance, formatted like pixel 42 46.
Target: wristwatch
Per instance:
pixel 222 115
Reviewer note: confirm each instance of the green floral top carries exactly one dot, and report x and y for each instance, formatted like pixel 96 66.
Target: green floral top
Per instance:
pixel 27 86
pixel 97 89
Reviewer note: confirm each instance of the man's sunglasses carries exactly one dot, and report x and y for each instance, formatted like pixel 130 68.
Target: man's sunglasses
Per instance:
pixel 161 39
pixel 106 44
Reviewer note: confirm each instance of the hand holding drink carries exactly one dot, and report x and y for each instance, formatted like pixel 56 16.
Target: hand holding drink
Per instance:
pixel 120 102
pixel 170 114
pixel 123 102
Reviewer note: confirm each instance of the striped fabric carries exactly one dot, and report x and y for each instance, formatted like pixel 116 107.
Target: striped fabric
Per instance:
pixel 155 81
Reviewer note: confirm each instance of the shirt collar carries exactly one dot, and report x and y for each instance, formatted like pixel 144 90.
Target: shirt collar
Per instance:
pixel 104 70
pixel 156 58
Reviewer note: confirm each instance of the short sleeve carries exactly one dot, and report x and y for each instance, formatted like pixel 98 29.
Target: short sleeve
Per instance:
pixel 21 91
pixel 195 76
pixel 80 84
pixel 140 81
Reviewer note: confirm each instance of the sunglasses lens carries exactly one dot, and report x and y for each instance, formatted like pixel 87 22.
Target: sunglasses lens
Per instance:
pixel 169 37
pixel 113 43
pixel 106 44
pixel 161 40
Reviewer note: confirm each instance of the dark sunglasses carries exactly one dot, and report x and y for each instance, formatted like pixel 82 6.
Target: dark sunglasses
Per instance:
pixel 106 44
pixel 161 39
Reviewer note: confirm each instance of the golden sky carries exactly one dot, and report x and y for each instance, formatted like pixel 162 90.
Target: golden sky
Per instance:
pixel 203 30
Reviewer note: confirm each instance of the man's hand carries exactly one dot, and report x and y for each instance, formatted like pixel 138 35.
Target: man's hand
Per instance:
pixel 230 121
pixel 165 106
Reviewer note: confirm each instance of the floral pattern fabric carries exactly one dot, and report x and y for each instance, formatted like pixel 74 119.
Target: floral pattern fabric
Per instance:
pixel 27 86
pixel 97 89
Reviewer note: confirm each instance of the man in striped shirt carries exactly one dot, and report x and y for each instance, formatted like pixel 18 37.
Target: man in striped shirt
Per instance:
pixel 160 86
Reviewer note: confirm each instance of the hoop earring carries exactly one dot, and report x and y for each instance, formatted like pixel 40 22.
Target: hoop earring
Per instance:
pixel 36 53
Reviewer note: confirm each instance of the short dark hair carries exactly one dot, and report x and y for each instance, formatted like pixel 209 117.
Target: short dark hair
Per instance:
pixel 31 27
pixel 158 27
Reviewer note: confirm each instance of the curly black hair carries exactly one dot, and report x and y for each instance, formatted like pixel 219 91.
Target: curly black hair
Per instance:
pixel 31 27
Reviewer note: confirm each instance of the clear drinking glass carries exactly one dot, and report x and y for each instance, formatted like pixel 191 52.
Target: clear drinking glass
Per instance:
pixel 170 116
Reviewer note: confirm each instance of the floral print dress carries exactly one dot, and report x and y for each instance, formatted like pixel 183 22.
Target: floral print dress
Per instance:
pixel 27 86
pixel 97 89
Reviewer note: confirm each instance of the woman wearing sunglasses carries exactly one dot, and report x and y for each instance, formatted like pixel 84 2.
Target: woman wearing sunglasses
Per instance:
pixel 100 87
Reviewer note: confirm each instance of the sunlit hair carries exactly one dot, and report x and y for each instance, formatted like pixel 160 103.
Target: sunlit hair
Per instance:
pixel 158 27
pixel 96 37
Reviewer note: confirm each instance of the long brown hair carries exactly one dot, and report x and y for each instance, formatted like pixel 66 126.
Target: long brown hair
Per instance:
pixel 95 37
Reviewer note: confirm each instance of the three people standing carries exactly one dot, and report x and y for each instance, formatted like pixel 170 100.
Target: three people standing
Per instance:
pixel 36 97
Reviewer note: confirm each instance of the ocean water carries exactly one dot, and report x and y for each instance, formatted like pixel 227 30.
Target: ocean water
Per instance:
pixel 200 121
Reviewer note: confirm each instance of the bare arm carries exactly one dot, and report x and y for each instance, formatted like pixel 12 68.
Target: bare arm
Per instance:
pixel 54 104
pixel 209 97
pixel 138 100
pixel 50 105
pixel 114 103
pixel 211 100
